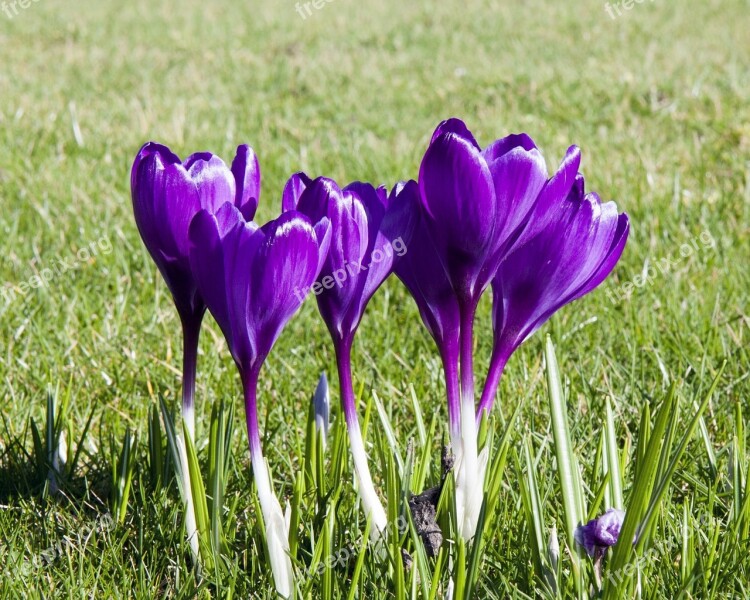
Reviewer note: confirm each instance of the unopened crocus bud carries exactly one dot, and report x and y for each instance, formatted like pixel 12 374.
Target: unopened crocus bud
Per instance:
pixel 600 533
pixel 322 406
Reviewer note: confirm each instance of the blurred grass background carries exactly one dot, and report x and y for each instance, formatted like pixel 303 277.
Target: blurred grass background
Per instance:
pixel 658 99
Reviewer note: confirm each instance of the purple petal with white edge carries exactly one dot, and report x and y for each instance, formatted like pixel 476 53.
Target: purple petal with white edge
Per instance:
pixel 341 278
pixel 211 259
pixel 314 200
pixel 286 262
pixel 501 147
pixel 165 199
pixel 323 235
pixel 246 172
pixel 548 205
pixel 574 253
pixel 379 254
pixel 213 180
pixel 293 190
pixel 519 175
pixel 456 126
pixel 401 217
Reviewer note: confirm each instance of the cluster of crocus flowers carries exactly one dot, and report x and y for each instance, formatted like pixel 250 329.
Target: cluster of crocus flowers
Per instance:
pixel 492 217
pixel 167 194
pixel 195 218
pixel 475 218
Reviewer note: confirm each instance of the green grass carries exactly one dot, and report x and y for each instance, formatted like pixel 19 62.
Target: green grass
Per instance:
pixel 659 101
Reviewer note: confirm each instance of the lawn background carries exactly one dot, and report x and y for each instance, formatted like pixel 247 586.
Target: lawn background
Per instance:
pixel 658 99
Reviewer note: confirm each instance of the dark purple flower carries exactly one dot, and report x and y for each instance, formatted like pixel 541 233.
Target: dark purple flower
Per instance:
pixel 370 231
pixel 476 200
pixel 368 237
pixel 491 215
pixel 571 244
pixel 472 205
pixel 600 533
pixel 167 194
pixel 424 277
pixel 248 276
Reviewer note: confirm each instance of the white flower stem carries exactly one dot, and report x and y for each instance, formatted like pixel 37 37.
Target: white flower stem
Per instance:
pixel 276 527
pixel 469 469
pixel 191 528
pixel 370 500
pixel 276 524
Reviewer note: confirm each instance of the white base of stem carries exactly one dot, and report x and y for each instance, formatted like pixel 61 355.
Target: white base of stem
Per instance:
pixel 469 471
pixel 370 500
pixel 276 526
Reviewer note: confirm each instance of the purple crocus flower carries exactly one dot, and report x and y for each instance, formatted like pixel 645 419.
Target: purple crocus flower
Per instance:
pixel 369 234
pixel 475 200
pixel 600 533
pixel 167 193
pixel 472 204
pixel 431 289
pixel 491 215
pixel 570 245
pixel 247 276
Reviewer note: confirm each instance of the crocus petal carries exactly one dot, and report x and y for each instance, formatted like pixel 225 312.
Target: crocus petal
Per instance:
pixel 548 206
pixel 500 147
pixel 457 127
pixel 316 197
pixel 584 537
pixel 423 274
pixel 211 258
pixel 459 206
pixel 573 250
pixel 323 235
pixel 286 262
pixel 164 201
pixel 293 190
pixel 607 528
pixel 601 532
pixel 519 175
pixel 360 256
pixel 378 254
pixel 213 180
pixel 246 172
pixel 146 183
